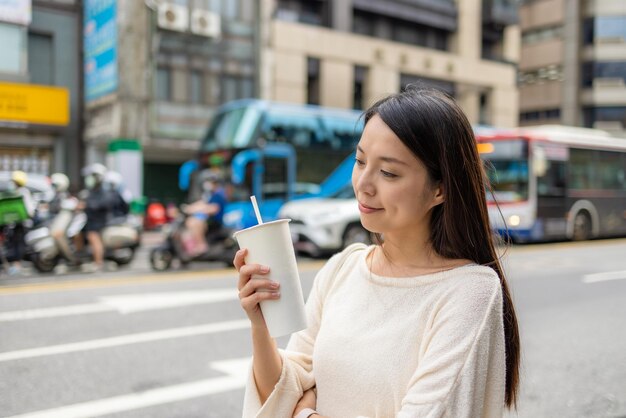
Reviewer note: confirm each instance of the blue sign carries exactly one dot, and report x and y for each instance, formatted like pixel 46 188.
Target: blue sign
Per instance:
pixel 100 44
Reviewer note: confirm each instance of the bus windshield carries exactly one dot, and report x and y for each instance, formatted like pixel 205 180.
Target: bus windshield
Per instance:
pixel 231 129
pixel 506 164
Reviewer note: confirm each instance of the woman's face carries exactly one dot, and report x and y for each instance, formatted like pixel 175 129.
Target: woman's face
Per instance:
pixel 391 184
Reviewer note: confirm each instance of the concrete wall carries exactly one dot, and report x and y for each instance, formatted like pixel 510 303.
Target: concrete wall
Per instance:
pixel 289 45
pixel 541 13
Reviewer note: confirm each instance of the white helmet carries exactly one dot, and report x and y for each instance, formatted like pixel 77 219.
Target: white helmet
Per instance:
pixel 96 169
pixel 113 178
pixel 60 182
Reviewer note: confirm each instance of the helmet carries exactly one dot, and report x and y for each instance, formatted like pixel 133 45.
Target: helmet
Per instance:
pixel 113 178
pixel 211 175
pixel 60 182
pixel 95 169
pixel 20 178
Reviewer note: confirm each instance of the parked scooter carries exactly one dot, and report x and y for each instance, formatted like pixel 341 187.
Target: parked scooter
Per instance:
pixel 121 237
pixel 221 246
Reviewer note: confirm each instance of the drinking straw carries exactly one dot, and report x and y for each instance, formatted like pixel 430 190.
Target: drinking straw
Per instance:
pixel 255 206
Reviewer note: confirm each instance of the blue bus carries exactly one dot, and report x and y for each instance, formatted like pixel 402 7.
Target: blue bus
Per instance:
pixel 277 152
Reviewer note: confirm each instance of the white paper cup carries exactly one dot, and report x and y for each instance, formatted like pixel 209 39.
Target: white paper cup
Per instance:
pixel 269 244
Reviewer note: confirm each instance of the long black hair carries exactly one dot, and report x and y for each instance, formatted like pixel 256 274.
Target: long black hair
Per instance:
pixel 432 125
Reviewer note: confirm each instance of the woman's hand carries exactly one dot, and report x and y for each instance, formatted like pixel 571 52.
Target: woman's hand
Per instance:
pixel 308 400
pixel 251 292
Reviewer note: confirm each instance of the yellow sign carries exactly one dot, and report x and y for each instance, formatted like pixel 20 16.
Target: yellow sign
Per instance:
pixel 29 103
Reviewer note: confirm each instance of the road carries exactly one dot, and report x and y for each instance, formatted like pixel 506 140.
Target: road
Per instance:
pixel 137 344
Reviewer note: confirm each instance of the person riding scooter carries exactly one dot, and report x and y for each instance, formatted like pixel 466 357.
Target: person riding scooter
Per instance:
pixel 16 242
pixel 98 207
pixel 61 210
pixel 208 212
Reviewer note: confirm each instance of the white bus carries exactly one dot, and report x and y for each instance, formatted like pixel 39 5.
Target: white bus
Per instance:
pixel 555 182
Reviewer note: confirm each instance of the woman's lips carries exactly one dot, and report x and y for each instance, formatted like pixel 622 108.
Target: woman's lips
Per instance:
pixel 367 209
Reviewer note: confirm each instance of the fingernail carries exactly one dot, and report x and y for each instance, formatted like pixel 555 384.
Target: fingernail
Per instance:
pixel 274 284
pixel 264 269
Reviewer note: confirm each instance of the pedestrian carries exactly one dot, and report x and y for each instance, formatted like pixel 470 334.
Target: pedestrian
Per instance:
pixel 420 324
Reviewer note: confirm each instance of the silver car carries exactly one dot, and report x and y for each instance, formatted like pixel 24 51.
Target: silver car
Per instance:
pixel 321 226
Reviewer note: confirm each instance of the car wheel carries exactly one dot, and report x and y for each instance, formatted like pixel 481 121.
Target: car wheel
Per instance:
pixel 356 233
pixel 582 227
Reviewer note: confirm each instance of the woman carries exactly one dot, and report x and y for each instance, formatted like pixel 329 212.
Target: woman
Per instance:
pixel 420 325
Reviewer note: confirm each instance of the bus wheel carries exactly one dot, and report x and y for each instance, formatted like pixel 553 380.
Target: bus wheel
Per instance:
pixel 582 227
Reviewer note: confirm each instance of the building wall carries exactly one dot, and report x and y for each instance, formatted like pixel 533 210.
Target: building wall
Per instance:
pixel 50 58
pixel 289 44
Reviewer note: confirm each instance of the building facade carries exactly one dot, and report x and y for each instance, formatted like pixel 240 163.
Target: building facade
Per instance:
pixel 573 63
pixel 40 88
pixel 349 53
pixel 150 98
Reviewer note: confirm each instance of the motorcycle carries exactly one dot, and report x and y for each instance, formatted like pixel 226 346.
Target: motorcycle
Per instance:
pixel 221 246
pixel 121 237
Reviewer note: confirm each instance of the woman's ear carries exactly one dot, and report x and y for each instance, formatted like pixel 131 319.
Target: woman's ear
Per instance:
pixel 439 196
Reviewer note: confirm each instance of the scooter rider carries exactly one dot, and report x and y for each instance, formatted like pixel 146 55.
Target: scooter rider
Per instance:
pixel 120 195
pixel 208 212
pixel 98 207
pixel 19 179
pixel 61 208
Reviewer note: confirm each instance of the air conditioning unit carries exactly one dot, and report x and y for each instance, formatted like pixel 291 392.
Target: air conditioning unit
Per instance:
pixel 205 23
pixel 173 17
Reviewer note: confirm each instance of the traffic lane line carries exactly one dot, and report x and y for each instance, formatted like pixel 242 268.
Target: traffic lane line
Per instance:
pixel 236 371
pixel 103 281
pixel 605 276
pixel 126 339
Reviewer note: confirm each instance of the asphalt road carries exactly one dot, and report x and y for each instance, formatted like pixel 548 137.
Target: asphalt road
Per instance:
pixel 136 344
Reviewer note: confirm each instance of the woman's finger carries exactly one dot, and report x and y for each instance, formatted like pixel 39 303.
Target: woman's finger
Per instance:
pixel 240 258
pixel 247 270
pixel 251 302
pixel 258 285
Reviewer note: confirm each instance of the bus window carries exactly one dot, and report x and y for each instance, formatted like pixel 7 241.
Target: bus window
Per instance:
pixel 301 131
pixel 342 134
pixel 506 166
pixel 231 129
pixel 552 182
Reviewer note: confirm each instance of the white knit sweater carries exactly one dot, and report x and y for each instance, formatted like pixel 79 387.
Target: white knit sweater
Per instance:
pixel 425 346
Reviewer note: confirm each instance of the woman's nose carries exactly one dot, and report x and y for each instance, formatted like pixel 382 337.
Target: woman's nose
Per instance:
pixel 363 183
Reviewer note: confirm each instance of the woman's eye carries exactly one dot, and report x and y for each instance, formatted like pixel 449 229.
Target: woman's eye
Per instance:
pixel 358 162
pixel 388 174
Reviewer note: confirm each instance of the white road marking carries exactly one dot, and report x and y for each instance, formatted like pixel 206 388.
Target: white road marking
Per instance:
pixel 126 340
pixel 126 304
pixel 236 370
pixel 603 277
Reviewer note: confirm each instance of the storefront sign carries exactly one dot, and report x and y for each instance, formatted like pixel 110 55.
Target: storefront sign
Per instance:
pixel 28 103
pixel 15 11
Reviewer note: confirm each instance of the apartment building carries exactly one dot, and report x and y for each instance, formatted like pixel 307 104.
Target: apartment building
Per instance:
pixel 348 53
pixel 572 67
pixel 156 70
pixel 40 96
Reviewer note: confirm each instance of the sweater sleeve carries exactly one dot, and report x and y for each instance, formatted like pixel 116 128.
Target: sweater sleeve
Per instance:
pixel 297 371
pixel 461 369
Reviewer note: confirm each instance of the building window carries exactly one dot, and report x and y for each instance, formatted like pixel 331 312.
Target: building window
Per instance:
pixel 40 59
pixel 605 115
pixel 445 86
pixel 537 115
pixel 604 28
pixel 313 81
pixel 598 70
pixel 540 35
pixel 235 87
pixel 196 87
pixel 483 111
pixel 12 58
pixel 549 73
pixel 164 84
pixel 360 80
pixel 303 11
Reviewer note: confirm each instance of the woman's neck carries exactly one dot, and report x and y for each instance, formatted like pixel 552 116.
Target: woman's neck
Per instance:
pixel 396 258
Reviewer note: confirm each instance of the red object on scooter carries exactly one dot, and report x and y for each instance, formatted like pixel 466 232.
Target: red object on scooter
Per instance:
pixel 155 216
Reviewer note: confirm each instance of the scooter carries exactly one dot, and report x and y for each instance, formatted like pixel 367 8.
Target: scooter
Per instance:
pixel 221 246
pixel 121 237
